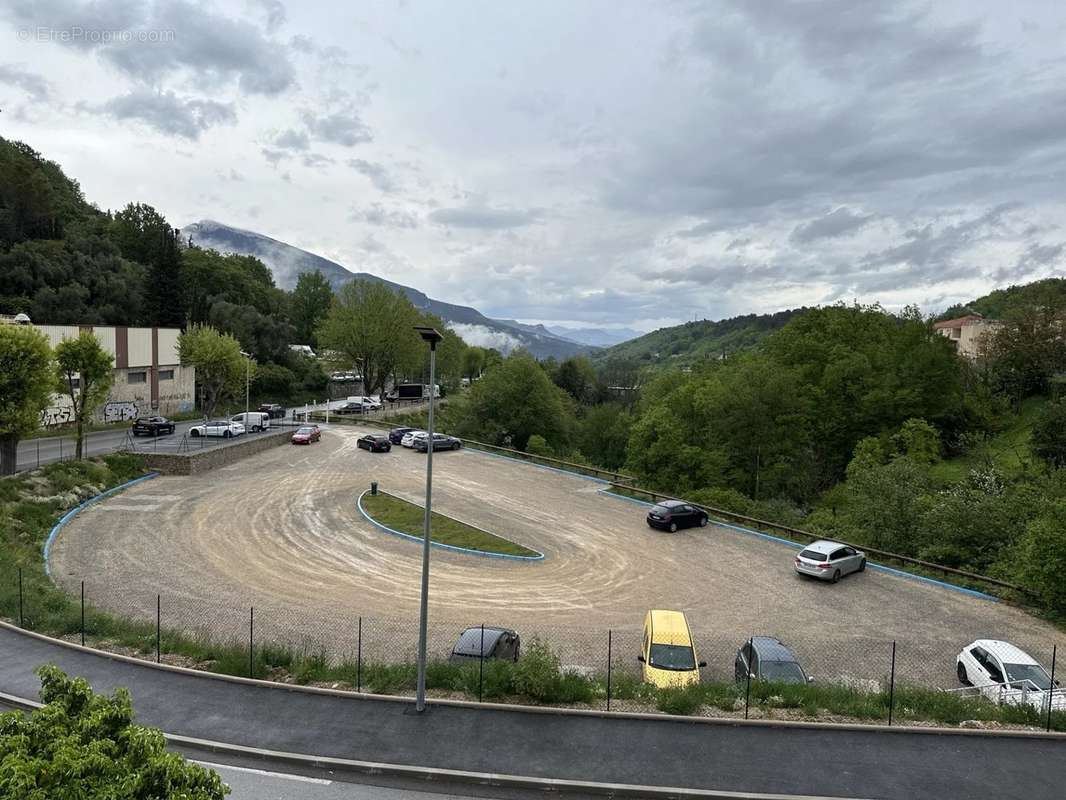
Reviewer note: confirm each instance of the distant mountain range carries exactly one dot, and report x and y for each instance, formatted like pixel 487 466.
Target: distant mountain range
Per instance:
pixel 288 262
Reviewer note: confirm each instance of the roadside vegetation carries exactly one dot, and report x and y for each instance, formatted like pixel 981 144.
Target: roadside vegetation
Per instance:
pixel 400 515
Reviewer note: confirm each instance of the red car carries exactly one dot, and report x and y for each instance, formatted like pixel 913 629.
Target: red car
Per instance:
pixel 306 435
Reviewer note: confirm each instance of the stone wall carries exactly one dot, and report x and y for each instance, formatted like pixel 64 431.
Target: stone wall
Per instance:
pixel 193 463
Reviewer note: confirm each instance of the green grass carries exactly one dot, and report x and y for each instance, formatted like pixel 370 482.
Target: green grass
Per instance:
pixel 392 512
pixel 1008 450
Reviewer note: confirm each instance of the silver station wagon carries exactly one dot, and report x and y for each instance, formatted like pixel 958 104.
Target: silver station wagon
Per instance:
pixel 829 561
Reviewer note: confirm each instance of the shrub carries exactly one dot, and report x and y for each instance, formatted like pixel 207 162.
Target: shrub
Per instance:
pixel 687 700
pixel 537 672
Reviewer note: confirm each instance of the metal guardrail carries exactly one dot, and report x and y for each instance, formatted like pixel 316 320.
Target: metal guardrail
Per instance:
pixel 795 533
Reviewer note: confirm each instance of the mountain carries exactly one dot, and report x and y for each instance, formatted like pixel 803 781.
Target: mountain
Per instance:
pixel 288 262
pixel 595 337
pixel 700 341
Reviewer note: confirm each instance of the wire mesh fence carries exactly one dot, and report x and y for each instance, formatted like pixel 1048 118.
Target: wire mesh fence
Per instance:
pixel 797 676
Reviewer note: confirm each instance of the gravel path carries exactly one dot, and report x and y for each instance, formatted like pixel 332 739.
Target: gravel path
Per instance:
pixel 280 531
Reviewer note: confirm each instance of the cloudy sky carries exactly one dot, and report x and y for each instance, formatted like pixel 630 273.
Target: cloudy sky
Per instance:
pixel 605 163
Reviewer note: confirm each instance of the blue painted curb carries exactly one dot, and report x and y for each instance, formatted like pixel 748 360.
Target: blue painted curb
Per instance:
pixel 70 514
pixel 453 548
pixel 879 567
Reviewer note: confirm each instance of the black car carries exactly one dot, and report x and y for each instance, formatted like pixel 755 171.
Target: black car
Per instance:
pixel 273 410
pixel 375 443
pixel 349 408
pixel 766 658
pixel 441 441
pixel 396 434
pixel 500 643
pixel 152 426
pixel 669 515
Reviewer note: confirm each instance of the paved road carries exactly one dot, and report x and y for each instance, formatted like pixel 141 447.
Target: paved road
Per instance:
pixel 854 764
pixel 281 532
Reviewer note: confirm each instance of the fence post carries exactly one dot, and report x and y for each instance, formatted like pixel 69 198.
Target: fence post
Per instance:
pixel 22 622
pixel 38 452
pixel 608 669
pixel 158 621
pixel 60 449
pixel 747 675
pixel 83 613
pixel 1051 691
pixel 359 659
pixel 481 665
pixel 251 642
pixel 892 685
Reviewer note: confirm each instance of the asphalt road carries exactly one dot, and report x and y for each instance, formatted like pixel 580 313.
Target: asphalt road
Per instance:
pixel 666 751
pixel 49 449
pixel 280 531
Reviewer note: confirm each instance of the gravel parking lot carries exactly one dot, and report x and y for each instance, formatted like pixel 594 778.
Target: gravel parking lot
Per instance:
pixel 280 531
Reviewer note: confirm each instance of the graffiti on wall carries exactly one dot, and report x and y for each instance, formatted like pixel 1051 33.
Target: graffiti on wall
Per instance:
pixel 122 411
pixel 57 415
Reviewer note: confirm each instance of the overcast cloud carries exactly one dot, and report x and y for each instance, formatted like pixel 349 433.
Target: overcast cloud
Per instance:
pixel 600 163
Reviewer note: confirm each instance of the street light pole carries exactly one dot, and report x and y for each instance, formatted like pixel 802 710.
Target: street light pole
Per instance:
pixel 431 336
pixel 247 380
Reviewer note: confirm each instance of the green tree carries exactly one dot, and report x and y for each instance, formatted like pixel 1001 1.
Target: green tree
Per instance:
pixel 371 325
pixel 884 504
pixel 84 372
pixel 919 440
pixel 577 377
pixel 514 401
pixel 220 368
pixel 1041 560
pixel 144 236
pixel 604 434
pixel 1049 434
pixel 26 383
pixel 84 745
pixel 310 302
pixel 473 363
pixel 1028 348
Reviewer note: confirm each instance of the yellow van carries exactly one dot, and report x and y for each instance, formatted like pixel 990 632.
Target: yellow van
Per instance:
pixel 667 655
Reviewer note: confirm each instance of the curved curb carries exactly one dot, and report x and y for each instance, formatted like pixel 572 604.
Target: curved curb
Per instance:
pixel 555 785
pixel 451 547
pixel 779 540
pixel 74 511
pixel 670 719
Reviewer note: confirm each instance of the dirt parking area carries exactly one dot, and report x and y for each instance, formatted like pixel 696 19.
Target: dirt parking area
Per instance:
pixel 281 532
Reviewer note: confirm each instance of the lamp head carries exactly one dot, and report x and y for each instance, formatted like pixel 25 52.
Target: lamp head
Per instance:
pixel 431 335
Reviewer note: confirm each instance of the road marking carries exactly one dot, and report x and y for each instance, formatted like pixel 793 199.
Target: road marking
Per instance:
pixel 265 773
pixel 129 506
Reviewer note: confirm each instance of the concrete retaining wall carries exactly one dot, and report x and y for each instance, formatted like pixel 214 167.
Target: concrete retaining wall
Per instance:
pixel 196 461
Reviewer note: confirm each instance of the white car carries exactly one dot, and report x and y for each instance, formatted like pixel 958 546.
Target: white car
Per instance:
pixel 368 403
pixel 223 428
pixel 408 439
pixel 829 561
pixel 1007 674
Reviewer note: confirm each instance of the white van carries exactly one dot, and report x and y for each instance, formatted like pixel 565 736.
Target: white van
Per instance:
pixel 256 421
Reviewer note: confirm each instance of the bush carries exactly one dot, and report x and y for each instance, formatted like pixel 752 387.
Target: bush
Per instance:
pixel 85 745
pixel 538 446
pixel 685 701
pixel 537 672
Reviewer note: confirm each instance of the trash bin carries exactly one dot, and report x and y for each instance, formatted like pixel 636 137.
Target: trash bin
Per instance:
pixel 373 487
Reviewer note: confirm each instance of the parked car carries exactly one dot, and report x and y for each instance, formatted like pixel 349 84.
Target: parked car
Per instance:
pixel 396 434
pixel 274 410
pixel 152 426
pixel 375 443
pixel 1005 673
pixel 667 654
pixel 349 408
pixel 223 428
pixel 766 658
pixel 502 644
pixel 669 515
pixel 306 434
pixel 829 561
pixel 368 403
pixel 408 439
pixel 441 441
pixel 253 421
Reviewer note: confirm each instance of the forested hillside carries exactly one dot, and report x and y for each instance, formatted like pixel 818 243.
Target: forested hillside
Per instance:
pixel 64 261
pixel 1003 302
pixel 703 340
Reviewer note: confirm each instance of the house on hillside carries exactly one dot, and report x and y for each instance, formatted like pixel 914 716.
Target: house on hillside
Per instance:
pixel 967 333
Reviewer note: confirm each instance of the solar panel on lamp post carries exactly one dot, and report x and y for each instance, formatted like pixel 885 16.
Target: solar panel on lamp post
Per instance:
pixel 431 336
